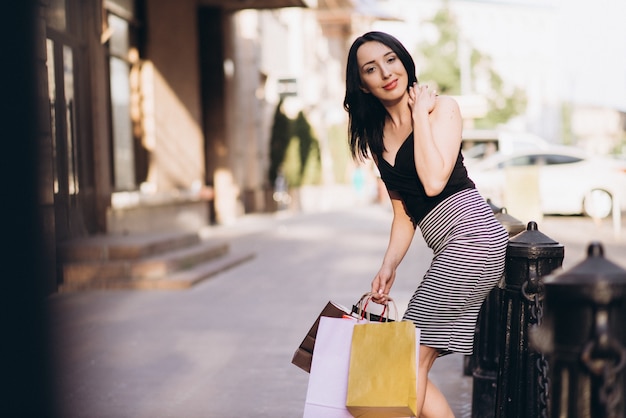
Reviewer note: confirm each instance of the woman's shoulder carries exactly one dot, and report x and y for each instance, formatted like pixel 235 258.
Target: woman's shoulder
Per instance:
pixel 446 103
pixel 446 106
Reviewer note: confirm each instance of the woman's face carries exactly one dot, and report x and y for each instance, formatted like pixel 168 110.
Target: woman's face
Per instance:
pixel 382 73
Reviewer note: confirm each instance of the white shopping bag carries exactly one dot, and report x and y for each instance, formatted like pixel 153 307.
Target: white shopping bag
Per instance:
pixel 328 380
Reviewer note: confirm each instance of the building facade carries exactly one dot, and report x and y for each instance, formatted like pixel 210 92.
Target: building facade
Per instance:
pixel 156 115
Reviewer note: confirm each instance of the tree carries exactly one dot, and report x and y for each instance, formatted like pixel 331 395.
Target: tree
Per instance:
pixel 441 62
pixel 310 157
pixel 302 163
pixel 302 130
pixel 279 140
pixel 442 68
pixel 503 104
pixel 294 150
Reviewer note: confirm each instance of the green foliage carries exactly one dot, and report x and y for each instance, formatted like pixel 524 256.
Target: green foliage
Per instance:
pixel 302 131
pixel 441 67
pixel 294 150
pixel 340 152
pixel 291 165
pixel 279 140
pixel 312 171
pixel 502 105
pixel 298 173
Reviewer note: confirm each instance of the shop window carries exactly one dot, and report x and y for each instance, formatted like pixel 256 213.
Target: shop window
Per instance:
pixel 61 45
pixel 119 68
pixel 122 49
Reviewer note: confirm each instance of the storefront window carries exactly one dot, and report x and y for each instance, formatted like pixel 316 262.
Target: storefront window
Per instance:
pixel 123 141
pixel 118 43
pixel 70 119
pixel 52 97
pixel 123 153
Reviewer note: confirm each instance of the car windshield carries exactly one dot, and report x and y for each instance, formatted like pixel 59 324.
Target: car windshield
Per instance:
pixel 552 159
pixel 538 159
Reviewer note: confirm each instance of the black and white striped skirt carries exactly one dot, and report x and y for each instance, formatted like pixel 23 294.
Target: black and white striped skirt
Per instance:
pixel 469 248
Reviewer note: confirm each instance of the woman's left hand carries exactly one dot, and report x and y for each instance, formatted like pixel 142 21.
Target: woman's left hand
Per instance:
pixel 422 99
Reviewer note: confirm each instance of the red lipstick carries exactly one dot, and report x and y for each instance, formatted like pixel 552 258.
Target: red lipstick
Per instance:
pixel 390 86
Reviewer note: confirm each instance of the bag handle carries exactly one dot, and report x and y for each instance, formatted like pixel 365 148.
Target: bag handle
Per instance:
pixel 364 301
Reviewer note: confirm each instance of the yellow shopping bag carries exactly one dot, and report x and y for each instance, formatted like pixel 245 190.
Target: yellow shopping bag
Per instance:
pixel 382 378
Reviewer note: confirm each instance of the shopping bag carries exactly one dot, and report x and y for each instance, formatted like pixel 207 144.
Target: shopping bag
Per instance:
pixel 360 309
pixel 382 378
pixel 328 379
pixel 304 353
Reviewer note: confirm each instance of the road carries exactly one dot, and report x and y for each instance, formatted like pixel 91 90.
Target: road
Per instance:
pixel 223 348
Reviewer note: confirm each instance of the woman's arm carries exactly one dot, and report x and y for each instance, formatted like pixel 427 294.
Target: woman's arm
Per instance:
pixel 437 129
pixel 401 236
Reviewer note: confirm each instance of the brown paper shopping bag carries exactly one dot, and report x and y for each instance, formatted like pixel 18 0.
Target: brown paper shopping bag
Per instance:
pixel 382 378
pixel 304 353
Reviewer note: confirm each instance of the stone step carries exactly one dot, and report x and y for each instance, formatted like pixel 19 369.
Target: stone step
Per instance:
pixel 124 247
pixel 175 260
pixel 182 279
pixel 152 267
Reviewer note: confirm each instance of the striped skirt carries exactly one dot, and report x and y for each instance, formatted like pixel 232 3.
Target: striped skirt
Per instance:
pixel 469 248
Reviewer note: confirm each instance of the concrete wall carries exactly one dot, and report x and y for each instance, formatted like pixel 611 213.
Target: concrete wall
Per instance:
pixel 260 47
pixel 171 89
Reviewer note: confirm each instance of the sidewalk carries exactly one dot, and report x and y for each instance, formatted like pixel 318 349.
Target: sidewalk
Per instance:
pixel 223 348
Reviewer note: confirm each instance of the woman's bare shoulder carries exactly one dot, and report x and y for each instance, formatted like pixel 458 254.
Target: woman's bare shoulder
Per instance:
pixel 447 121
pixel 446 109
pixel 446 104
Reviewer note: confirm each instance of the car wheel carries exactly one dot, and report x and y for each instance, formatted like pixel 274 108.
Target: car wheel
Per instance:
pixel 598 204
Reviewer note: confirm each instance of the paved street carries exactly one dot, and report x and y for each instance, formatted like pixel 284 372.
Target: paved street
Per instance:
pixel 223 348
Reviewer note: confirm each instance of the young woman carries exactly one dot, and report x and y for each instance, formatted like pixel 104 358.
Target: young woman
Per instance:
pixel 414 137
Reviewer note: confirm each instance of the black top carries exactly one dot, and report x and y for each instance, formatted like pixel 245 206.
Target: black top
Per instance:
pixel 402 178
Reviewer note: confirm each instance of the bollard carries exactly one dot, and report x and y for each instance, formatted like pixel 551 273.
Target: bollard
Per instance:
pixel 584 338
pixel 512 225
pixel 521 390
pixel 483 363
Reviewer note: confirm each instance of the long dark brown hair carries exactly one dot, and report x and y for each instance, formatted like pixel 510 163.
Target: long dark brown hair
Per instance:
pixel 366 113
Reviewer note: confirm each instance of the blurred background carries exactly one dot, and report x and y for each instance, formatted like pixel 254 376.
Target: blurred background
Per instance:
pixel 174 116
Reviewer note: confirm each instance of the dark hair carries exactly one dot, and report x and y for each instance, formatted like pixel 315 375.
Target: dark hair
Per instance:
pixel 366 113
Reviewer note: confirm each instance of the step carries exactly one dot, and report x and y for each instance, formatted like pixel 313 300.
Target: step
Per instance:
pixel 152 267
pixel 124 247
pixel 179 280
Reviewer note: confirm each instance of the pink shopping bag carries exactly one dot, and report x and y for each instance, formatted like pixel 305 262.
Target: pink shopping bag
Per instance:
pixel 328 380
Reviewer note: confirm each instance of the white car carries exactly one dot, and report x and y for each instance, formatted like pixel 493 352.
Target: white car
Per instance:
pixel 565 180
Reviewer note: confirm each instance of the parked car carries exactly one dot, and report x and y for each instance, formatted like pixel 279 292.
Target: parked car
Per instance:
pixel 481 143
pixel 567 180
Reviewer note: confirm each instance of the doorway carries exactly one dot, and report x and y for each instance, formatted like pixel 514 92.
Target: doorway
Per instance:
pixel 68 115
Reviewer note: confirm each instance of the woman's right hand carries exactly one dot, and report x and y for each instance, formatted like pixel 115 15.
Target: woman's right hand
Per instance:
pixel 381 285
pixel 422 99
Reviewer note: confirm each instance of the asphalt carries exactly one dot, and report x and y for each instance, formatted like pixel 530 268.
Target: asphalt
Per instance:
pixel 223 348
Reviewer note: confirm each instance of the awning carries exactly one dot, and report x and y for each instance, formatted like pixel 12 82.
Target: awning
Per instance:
pixel 256 4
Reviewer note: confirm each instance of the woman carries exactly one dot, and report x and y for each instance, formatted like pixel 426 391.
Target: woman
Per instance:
pixel 414 137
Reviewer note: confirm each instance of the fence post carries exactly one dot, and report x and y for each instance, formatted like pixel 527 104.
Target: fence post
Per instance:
pixel 483 363
pixel 521 390
pixel 584 338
